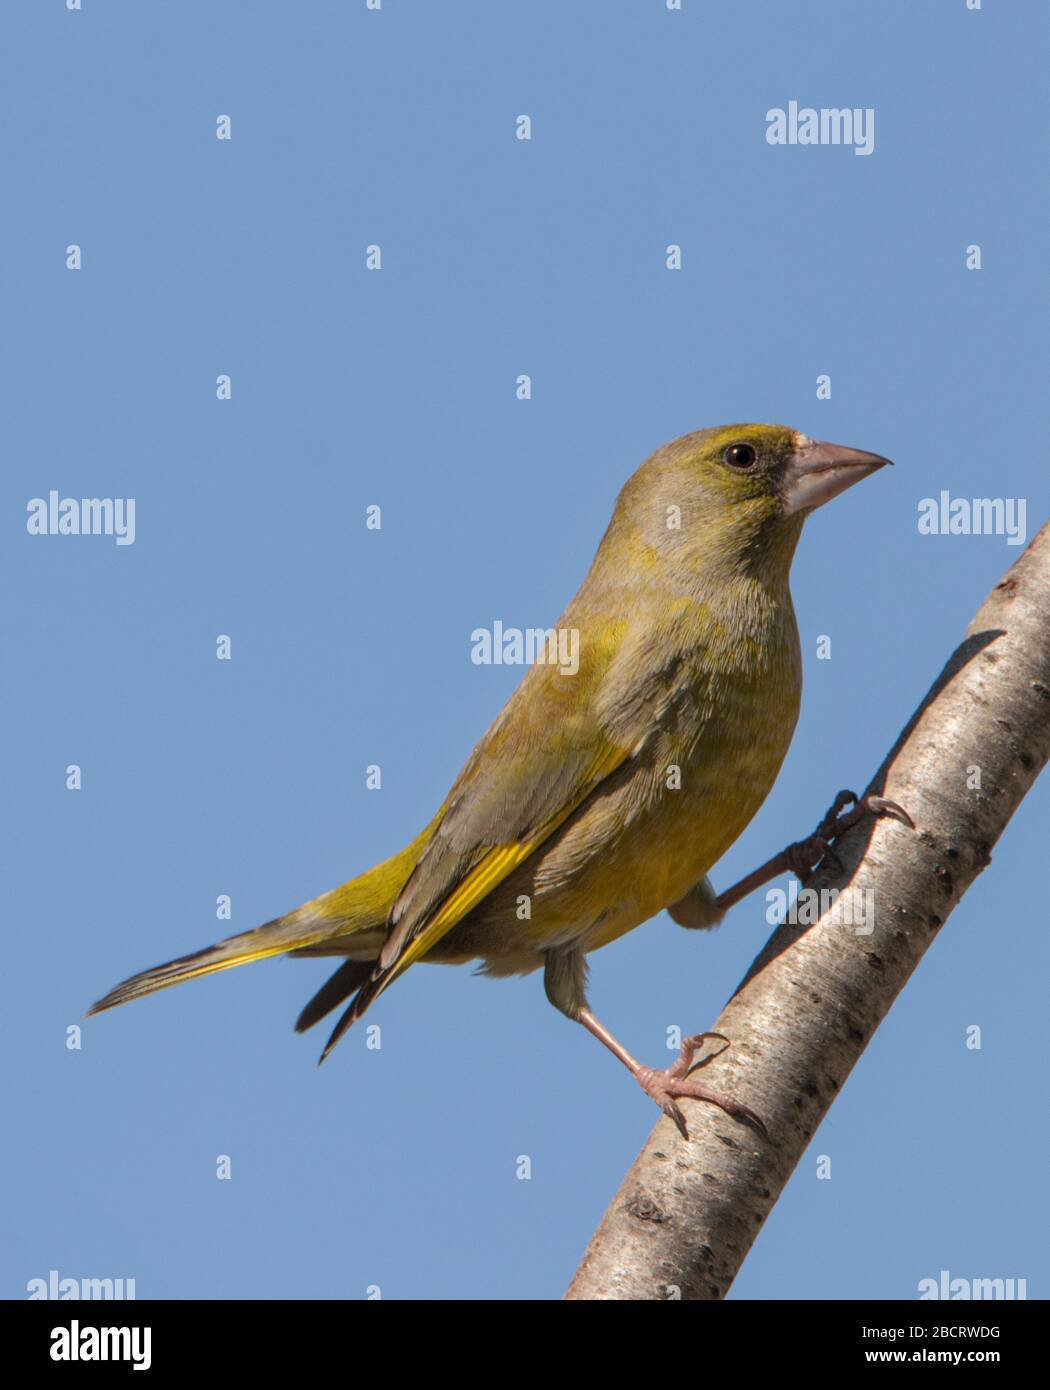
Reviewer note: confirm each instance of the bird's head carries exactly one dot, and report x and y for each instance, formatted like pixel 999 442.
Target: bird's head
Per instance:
pixel 734 494
pixel 777 470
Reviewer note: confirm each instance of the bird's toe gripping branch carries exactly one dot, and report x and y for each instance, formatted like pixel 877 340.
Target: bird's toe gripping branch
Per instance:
pixel 674 1083
pixel 805 855
pixel 802 857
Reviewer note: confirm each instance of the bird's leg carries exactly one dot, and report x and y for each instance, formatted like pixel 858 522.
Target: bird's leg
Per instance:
pixel 674 1083
pixel 804 855
pixel 565 977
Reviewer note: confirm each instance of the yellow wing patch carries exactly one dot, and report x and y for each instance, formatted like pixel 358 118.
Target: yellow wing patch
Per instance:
pixel 491 871
pixel 481 880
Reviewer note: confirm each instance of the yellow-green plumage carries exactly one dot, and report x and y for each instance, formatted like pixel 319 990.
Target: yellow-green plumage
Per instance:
pixel 597 799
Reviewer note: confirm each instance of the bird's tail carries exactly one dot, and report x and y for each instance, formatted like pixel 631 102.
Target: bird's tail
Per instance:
pixel 350 919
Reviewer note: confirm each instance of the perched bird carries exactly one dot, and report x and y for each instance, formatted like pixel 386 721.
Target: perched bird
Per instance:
pixel 600 797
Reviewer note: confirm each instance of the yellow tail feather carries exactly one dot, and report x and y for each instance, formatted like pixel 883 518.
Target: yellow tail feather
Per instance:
pixel 173 972
pixel 360 906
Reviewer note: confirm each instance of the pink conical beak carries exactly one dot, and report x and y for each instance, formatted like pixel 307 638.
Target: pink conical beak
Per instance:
pixel 819 471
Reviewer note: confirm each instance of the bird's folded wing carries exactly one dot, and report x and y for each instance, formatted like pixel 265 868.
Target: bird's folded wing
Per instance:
pixel 542 758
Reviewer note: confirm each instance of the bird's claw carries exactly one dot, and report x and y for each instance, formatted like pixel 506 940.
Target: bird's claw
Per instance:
pixel 668 1086
pixel 687 1062
pixel 881 806
pixel 805 855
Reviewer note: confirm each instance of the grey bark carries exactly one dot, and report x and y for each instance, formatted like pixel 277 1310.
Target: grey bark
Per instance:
pixel 688 1212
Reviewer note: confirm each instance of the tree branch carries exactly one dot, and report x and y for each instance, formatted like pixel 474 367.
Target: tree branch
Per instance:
pixel 687 1212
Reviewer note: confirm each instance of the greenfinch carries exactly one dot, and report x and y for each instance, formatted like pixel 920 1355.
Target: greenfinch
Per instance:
pixel 605 790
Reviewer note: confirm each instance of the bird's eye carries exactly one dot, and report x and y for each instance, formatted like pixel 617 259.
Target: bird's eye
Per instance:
pixel 739 456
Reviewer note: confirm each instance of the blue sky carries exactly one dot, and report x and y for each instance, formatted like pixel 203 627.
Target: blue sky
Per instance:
pixel 397 1168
